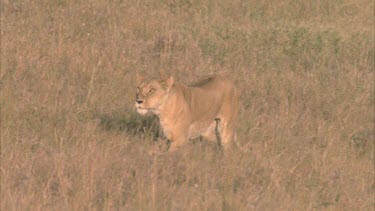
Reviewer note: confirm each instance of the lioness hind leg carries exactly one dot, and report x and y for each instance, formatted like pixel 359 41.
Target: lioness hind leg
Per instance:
pixel 227 135
pixel 209 134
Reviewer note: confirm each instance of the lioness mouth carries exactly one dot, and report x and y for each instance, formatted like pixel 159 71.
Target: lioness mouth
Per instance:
pixel 142 111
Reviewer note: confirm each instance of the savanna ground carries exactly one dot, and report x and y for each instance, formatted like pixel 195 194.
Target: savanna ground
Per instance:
pixel 70 138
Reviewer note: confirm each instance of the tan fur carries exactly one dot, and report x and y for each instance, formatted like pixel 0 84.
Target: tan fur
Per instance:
pixel 188 112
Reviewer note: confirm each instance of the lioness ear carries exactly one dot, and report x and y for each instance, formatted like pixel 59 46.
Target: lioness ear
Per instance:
pixel 169 82
pixel 139 78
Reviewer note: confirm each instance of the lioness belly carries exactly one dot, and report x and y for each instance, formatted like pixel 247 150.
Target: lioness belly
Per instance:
pixel 197 129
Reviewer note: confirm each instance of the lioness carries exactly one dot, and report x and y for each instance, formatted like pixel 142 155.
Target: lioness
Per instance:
pixel 207 108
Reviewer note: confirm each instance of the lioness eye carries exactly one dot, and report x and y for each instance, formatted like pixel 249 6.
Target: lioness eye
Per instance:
pixel 151 90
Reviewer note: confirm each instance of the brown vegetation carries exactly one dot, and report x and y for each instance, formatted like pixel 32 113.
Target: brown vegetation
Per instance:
pixel 70 138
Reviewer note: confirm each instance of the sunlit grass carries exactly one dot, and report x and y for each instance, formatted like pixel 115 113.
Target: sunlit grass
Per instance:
pixel 71 140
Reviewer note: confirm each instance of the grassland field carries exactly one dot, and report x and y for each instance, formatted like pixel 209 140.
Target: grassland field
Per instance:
pixel 71 140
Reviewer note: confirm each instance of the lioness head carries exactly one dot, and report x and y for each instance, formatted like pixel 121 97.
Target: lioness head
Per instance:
pixel 151 94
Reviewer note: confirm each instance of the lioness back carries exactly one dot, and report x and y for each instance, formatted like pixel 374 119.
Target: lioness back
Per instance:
pixel 213 97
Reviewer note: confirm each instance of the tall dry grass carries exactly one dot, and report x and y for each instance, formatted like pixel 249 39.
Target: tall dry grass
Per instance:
pixel 70 139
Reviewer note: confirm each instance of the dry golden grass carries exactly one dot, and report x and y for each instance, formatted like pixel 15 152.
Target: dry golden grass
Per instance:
pixel 70 138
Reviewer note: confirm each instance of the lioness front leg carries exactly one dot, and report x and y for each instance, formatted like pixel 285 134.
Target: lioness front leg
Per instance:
pixel 178 138
pixel 177 143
